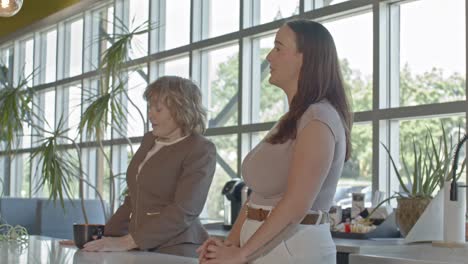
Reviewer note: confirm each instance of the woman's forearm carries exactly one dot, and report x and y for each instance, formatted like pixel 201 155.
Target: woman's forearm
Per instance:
pixel 130 242
pixel 280 223
pixel 234 235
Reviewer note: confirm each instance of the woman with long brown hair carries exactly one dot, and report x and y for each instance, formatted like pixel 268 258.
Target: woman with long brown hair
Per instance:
pixel 294 171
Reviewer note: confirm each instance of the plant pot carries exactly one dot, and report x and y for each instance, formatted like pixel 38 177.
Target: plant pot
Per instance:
pixel 83 233
pixel 408 212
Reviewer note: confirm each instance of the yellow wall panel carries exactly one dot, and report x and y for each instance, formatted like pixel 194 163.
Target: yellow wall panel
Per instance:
pixel 32 11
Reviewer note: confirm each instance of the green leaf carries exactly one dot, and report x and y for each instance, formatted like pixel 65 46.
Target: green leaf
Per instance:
pixel 415 172
pixel 396 169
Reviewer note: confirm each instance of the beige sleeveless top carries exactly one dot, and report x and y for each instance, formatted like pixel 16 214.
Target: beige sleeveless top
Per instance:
pixel 265 169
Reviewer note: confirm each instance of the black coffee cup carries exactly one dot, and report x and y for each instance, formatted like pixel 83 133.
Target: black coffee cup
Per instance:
pixel 83 233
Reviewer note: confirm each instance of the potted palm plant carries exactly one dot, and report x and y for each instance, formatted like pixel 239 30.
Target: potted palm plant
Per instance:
pixel 59 156
pixel 15 106
pixel 105 108
pixel 431 168
pixel 15 110
pixel 57 166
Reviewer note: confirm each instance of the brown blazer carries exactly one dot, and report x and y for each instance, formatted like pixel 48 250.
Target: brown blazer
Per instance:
pixel 164 203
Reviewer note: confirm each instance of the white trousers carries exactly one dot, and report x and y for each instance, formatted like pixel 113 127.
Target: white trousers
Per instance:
pixel 311 244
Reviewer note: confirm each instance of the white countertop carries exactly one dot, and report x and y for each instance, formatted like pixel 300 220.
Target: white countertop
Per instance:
pixel 342 245
pixel 386 251
pixel 354 246
pixel 39 249
pixel 411 254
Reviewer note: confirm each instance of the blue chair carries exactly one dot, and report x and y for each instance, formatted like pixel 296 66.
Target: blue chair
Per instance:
pixel 56 222
pixel 20 211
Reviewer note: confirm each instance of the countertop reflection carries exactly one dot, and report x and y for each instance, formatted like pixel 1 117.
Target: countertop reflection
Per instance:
pixel 40 249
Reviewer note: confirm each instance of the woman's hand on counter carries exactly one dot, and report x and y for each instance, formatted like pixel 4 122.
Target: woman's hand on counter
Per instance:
pixel 123 243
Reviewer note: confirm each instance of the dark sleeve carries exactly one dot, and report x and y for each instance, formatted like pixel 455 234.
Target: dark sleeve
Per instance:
pixel 190 197
pixel 118 223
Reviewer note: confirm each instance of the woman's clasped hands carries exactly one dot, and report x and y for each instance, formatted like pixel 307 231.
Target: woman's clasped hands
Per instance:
pixel 216 251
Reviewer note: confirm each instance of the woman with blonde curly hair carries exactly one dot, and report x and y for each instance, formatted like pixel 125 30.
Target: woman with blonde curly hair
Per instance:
pixel 168 178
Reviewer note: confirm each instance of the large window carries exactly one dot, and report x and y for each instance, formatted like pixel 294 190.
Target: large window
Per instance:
pixel 177 66
pixel 263 102
pixel 70 108
pixel 49 53
pixel 355 54
pixel 315 4
pixel 6 59
pixel 403 63
pixel 357 171
pixel 264 11
pixel 214 20
pixel 20 185
pixel 220 85
pixel 74 48
pixel 173 24
pixel 138 20
pixel 432 62
pixel 136 105
pixel 226 169
pixel 26 60
pixel 414 133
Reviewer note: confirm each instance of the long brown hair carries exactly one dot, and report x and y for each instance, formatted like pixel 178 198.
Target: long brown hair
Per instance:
pixel 319 78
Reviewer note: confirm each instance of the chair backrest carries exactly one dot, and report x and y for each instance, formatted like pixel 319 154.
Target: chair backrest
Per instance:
pixel 54 221
pixel 20 211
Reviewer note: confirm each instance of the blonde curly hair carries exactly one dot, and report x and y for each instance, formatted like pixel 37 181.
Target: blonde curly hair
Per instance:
pixel 184 101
